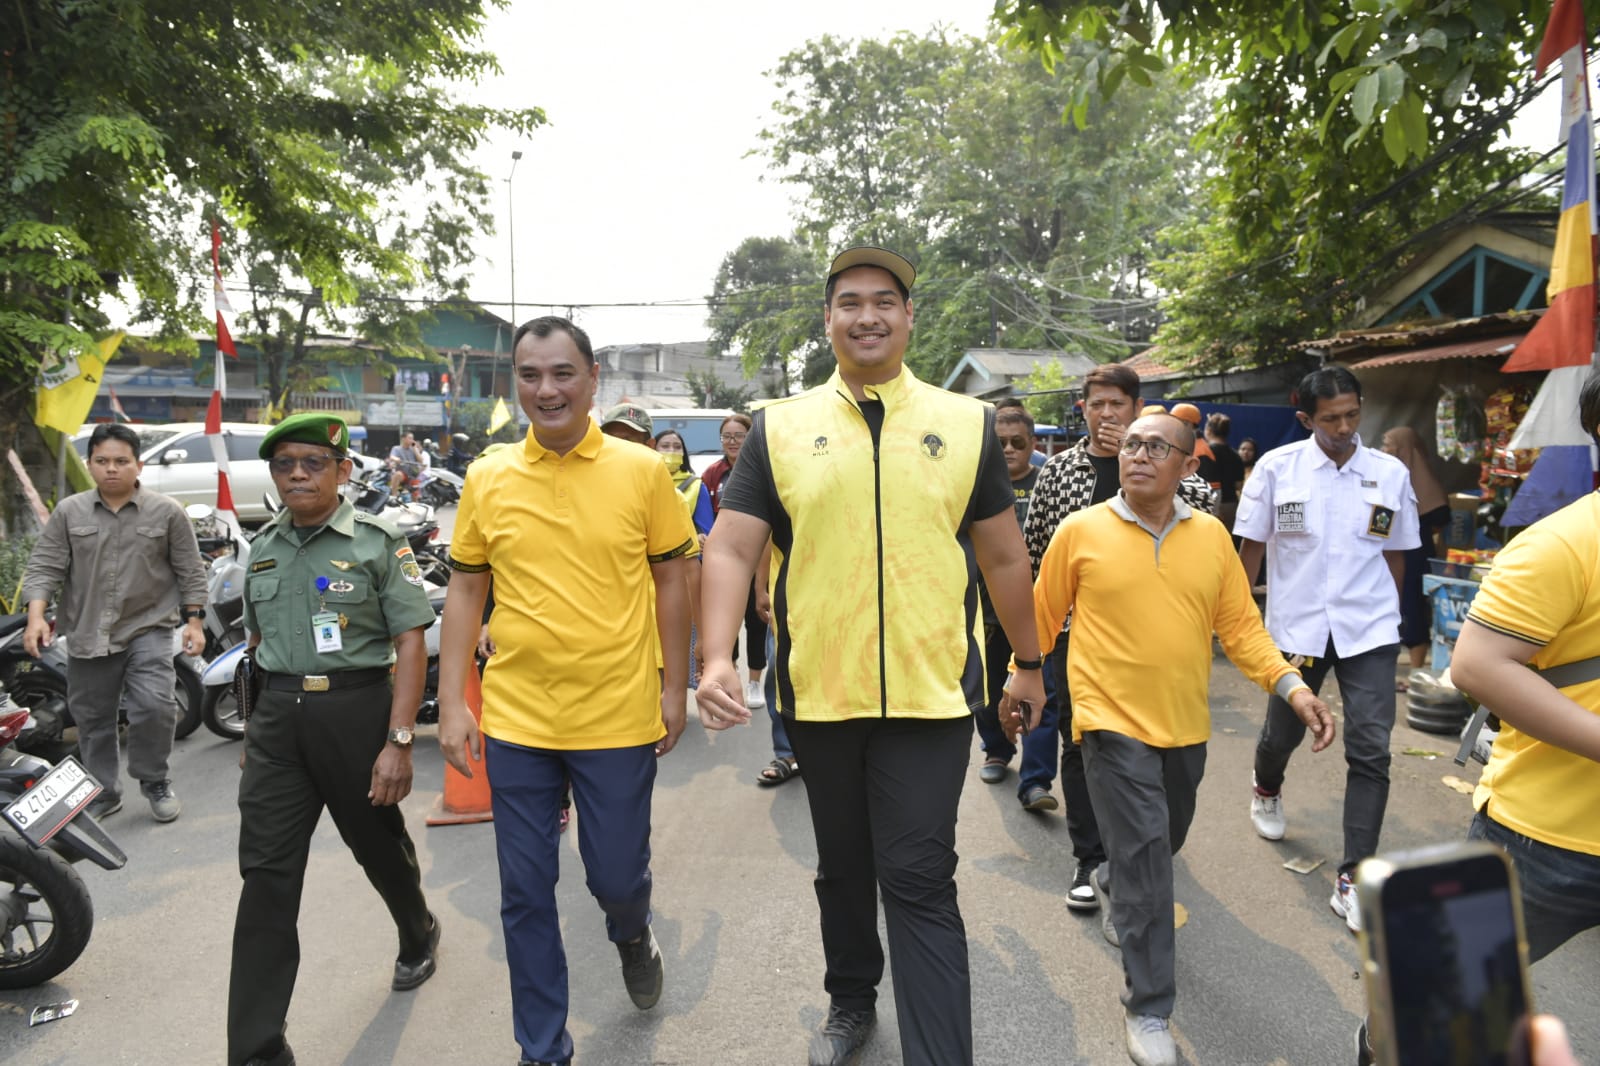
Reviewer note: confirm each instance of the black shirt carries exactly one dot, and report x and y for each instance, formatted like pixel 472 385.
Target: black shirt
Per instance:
pixel 1230 471
pixel 1107 477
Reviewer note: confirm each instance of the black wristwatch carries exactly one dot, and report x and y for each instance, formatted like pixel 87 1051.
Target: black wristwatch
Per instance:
pixel 194 612
pixel 1027 664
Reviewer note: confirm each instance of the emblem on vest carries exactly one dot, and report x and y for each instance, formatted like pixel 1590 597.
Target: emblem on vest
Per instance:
pixel 933 446
pixel 1382 523
pixel 1291 518
pixel 819 446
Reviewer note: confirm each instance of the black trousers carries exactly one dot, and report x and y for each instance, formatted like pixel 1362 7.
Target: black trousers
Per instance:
pixel 883 795
pixel 305 751
pixel 755 634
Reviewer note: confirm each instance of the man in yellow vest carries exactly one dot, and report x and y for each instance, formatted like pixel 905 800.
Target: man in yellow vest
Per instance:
pixel 883 496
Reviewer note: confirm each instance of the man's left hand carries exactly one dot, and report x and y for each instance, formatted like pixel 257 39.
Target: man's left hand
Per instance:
pixel 391 776
pixel 1315 714
pixel 1023 686
pixel 674 715
pixel 194 637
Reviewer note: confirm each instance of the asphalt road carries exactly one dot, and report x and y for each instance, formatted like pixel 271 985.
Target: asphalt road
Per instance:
pixel 1266 973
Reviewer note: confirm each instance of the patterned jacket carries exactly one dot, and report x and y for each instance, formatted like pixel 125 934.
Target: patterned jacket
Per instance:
pixel 1066 484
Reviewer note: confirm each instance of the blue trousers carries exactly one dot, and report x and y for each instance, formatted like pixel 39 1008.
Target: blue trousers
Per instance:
pixel 1560 888
pixel 996 660
pixel 612 788
pixel 769 689
pixel 1039 748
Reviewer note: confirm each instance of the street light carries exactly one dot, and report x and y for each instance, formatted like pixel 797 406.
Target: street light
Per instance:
pixel 511 232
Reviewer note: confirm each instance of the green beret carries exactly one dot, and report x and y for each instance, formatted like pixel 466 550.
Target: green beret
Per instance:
pixel 309 427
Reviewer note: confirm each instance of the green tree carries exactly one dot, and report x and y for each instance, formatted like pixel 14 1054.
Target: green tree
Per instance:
pixel 128 122
pixel 1027 231
pixel 1336 131
pixel 709 390
pixel 766 308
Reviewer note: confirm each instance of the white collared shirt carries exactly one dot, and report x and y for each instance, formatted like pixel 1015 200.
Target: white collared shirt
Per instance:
pixel 1326 528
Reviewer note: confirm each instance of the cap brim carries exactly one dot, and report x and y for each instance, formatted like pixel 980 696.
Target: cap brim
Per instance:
pixel 896 264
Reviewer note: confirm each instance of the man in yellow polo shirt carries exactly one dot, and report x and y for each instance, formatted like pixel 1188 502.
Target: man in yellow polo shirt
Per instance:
pixel 879 493
pixel 576 529
pixel 1147 580
pixel 1538 797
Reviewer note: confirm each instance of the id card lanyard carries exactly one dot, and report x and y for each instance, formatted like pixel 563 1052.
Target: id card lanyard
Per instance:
pixel 325 623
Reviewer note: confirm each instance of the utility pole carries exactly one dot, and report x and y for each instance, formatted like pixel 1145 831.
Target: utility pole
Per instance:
pixel 511 232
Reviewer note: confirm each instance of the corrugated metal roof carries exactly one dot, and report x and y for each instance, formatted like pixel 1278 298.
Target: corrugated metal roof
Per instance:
pixel 1410 336
pixel 1473 349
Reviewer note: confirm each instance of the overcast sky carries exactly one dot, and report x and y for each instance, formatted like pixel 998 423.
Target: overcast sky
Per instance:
pixel 640 185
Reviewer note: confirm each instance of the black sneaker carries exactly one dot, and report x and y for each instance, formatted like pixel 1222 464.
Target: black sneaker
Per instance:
pixel 642 972
pixel 841 1036
pixel 1080 897
pixel 107 803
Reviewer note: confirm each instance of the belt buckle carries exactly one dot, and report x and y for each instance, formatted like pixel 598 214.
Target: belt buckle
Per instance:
pixel 314 683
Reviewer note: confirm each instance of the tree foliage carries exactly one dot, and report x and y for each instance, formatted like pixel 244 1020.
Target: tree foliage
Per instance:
pixel 1338 128
pixel 766 306
pixel 128 124
pixel 709 390
pixel 1027 231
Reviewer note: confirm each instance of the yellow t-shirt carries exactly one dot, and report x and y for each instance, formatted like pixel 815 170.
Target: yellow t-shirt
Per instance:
pixel 570 540
pixel 1543 589
pixel 1142 617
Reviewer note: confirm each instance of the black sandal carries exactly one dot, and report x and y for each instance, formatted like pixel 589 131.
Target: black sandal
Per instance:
pixel 777 772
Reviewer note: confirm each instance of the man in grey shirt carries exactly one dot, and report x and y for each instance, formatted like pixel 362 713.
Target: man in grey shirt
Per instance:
pixel 125 559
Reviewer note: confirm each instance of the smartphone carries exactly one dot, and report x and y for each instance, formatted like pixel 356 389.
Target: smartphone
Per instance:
pixel 1446 961
pixel 1025 712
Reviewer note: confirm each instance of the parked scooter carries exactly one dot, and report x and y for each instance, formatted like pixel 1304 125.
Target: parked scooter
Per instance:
pixel 40 685
pixel 46 915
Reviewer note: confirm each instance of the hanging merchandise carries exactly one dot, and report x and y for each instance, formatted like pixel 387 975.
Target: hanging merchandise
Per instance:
pixel 1503 412
pixel 1458 424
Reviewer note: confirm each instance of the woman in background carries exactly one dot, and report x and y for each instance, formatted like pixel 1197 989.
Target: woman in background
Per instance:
pixel 697 503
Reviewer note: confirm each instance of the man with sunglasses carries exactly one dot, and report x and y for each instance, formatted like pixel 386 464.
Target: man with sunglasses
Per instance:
pixel 335 609
pixel 1148 580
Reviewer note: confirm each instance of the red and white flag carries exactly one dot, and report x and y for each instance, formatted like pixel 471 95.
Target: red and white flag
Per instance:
pixel 116 408
pixel 219 385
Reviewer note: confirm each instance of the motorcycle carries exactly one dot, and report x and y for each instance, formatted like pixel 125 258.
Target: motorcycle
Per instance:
pixel 438 487
pixel 220 711
pixel 40 685
pixel 46 915
pixel 415 521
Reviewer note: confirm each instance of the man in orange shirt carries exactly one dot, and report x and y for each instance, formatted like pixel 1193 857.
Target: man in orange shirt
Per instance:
pixel 1139 679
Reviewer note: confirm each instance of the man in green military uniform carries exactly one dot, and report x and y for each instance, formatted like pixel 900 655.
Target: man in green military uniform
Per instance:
pixel 333 598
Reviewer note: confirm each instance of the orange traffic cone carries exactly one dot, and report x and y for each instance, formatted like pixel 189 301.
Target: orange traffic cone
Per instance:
pixel 465 799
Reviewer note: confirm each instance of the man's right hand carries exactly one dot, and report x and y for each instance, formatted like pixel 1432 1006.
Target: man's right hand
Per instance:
pixel 1111 435
pixel 36 636
pixel 459 735
pixel 720 697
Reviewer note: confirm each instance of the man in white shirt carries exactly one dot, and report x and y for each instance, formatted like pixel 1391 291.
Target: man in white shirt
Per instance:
pixel 1334 520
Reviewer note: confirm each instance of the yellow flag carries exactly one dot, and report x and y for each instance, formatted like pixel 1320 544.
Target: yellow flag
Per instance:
pixel 500 416
pixel 68 385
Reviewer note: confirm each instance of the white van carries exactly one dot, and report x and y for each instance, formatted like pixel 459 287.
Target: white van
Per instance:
pixel 701 428
pixel 178 463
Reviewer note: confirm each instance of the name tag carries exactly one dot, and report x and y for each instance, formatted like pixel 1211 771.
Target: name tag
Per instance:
pixel 1291 518
pixel 1382 522
pixel 325 631
pixel 1369 484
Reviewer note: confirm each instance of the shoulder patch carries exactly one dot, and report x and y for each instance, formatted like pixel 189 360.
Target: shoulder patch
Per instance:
pixel 263 564
pixel 412 572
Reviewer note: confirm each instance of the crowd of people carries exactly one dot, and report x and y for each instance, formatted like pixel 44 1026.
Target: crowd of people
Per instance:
pixel 904 575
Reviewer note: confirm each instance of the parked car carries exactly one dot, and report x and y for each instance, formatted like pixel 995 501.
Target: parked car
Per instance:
pixel 178 462
pixel 701 428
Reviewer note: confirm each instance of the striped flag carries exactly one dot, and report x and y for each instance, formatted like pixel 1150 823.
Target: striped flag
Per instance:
pixel 219 386
pixel 118 414
pixel 1565 335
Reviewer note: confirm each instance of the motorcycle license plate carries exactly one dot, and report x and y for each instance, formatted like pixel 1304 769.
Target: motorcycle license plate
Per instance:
pixel 40 812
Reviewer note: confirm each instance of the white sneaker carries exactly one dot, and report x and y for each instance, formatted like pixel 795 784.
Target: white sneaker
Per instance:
pixel 1266 814
pixel 753 698
pixel 1345 903
pixel 1150 1040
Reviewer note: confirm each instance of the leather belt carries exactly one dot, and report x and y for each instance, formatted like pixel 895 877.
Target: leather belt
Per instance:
pixel 327 682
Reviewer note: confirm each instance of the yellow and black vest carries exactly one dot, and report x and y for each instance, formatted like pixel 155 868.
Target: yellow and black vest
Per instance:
pixel 875 602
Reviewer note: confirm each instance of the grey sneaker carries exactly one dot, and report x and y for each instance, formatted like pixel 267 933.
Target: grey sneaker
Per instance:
pixel 841 1036
pixel 1038 799
pixel 642 972
pixel 1107 928
pixel 164 805
pixel 107 803
pixel 1150 1040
